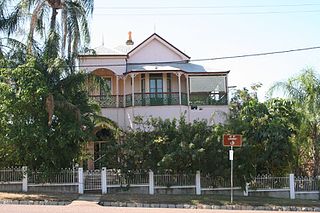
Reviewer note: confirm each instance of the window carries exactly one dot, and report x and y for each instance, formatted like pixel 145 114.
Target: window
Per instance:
pixel 143 84
pixel 156 89
pixel 156 83
pixel 169 82
pixel 208 90
pixel 207 83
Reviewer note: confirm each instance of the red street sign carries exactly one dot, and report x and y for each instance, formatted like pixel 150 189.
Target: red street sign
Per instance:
pixel 232 140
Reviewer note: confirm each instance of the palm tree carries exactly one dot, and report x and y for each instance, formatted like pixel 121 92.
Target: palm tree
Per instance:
pixel 65 33
pixel 304 90
pixel 71 26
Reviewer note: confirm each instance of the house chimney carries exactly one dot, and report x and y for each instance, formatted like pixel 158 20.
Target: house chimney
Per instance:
pixel 129 41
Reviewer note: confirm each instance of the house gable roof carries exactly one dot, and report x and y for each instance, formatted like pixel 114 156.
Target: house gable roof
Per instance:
pixel 163 42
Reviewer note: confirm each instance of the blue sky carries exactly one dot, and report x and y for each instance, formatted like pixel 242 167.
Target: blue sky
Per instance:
pixel 206 29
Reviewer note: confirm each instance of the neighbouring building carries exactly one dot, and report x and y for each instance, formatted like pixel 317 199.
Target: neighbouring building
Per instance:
pixel 154 78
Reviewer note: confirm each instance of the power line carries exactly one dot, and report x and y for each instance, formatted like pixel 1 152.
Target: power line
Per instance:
pixel 198 7
pixel 258 54
pixel 201 7
pixel 207 14
pixel 194 60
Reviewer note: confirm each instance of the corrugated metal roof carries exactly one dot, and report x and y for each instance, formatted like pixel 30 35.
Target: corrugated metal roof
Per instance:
pixel 186 67
pixel 102 50
pixel 124 49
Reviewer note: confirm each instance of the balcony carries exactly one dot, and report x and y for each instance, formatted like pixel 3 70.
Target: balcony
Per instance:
pixel 156 99
pixel 159 99
pixel 107 101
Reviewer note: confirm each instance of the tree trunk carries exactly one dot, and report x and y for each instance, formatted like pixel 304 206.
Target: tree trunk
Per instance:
pixel 316 158
pixel 53 19
pixel 64 32
pixel 33 24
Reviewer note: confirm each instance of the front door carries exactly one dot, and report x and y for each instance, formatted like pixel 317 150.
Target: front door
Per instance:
pixel 156 89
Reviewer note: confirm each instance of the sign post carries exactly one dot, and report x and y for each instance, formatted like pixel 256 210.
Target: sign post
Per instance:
pixel 231 173
pixel 231 141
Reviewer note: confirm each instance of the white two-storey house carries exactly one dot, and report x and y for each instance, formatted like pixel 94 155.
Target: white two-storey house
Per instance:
pixel 154 78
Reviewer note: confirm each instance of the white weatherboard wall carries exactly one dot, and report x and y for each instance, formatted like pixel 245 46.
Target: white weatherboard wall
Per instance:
pixel 124 116
pixel 115 114
pixel 214 114
pixel 154 51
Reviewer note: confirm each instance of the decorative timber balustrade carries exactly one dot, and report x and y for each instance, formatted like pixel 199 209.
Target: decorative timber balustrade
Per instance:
pixel 159 99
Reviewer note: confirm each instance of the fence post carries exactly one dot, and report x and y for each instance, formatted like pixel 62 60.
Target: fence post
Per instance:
pixel 151 183
pixel 104 180
pixel 291 183
pixel 24 178
pixel 80 180
pixel 246 190
pixel 198 183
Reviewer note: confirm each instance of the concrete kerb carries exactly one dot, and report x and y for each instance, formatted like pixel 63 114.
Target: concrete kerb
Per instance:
pixel 154 205
pixel 30 202
pixel 231 207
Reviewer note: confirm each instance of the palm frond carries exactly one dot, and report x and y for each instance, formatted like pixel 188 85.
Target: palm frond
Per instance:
pixel 10 23
pixel 35 22
pixel 75 16
pixel 101 121
pixel 66 105
pixel 52 46
pixel 88 5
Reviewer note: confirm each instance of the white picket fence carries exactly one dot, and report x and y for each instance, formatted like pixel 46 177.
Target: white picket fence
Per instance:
pixel 11 175
pixel 65 176
pixel 105 180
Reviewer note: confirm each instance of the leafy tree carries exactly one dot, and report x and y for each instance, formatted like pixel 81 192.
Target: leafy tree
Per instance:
pixel 32 136
pixel 176 146
pixel 304 91
pixel 267 129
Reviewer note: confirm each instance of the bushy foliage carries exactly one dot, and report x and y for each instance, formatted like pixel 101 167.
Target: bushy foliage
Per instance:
pixel 179 146
pixel 39 132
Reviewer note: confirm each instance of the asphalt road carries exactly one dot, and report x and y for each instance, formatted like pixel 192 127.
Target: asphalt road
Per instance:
pixel 88 207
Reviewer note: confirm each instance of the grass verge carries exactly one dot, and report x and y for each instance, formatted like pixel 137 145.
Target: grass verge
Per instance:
pixel 38 196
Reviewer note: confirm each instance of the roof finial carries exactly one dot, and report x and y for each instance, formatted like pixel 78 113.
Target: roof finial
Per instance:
pixel 102 40
pixel 129 41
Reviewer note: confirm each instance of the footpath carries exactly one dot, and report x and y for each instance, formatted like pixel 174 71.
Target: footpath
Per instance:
pixel 95 199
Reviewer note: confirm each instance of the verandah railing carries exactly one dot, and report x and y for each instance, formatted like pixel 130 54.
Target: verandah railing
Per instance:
pixel 141 99
pixel 160 99
pixel 156 99
pixel 108 101
pixel 208 99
